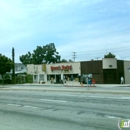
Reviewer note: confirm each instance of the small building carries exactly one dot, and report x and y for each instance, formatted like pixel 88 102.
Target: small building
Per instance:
pixel 38 72
pixel 20 70
pixel 54 72
pixel 63 71
pixel 107 70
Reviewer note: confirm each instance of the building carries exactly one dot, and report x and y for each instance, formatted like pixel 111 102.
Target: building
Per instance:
pixel 107 70
pixel 20 71
pixel 54 72
pixel 38 72
pixel 20 68
pixel 127 71
pixel 63 71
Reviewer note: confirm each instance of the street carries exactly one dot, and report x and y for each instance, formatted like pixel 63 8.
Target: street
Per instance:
pixel 43 110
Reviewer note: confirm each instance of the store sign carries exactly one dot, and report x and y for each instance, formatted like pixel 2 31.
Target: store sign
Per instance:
pixel 61 67
pixel 67 67
pixel 55 68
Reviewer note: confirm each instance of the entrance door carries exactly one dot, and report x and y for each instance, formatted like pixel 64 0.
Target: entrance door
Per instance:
pixel 58 78
pixel 110 78
pixel 35 78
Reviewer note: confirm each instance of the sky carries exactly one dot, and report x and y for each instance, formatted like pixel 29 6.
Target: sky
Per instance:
pixel 91 28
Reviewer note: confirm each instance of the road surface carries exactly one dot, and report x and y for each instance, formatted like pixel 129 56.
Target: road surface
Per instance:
pixel 34 110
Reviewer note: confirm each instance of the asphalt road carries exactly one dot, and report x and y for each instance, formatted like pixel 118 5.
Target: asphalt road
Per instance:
pixel 30 110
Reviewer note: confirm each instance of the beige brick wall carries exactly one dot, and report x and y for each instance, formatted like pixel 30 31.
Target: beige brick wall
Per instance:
pixel 126 72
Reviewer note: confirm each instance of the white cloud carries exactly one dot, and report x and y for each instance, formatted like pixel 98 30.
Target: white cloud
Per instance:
pixel 96 47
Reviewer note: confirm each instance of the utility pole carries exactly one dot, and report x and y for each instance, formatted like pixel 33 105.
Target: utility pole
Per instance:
pixel 74 55
pixel 13 69
pixel 97 58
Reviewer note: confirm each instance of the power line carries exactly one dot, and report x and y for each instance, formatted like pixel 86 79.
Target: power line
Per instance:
pixel 99 52
pixel 74 55
pixel 117 49
pixel 97 58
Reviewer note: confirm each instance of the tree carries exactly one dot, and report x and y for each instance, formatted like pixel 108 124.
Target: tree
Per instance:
pixel 46 54
pixel 109 55
pixel 6 65
pixel 65 61
pixel 70 60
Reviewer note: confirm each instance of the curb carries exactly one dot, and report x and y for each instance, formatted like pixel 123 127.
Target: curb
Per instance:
pixel 79 86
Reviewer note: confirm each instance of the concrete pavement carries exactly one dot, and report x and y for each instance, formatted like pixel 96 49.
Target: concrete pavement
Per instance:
pixel 71 87
pixel 73 83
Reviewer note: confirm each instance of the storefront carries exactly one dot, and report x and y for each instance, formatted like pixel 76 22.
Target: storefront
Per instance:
pixel 107 70
pixel 38 72
pixel 63 72
pixel 54 73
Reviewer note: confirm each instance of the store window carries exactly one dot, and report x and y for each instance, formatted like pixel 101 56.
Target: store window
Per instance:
pixel 41 77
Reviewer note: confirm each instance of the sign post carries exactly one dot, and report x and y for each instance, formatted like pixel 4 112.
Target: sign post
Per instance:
pixel 87 84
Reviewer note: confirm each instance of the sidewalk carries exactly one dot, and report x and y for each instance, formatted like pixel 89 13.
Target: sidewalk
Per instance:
pixel 100 88
pixel 74 84
pixel 70 84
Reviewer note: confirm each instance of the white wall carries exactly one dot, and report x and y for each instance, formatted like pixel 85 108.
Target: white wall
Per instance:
pixel 36 71
pixel 126 72
pixel 109 63
pixel 19 67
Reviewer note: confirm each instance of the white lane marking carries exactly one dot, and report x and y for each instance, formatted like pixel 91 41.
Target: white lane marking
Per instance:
pixel 72 95
pixel 17 105
pixel 93 96
pixel 125 97
pixel 96 97
pixel 67 95
pixel 115 97
pixel 30 106
pixel 93 103
pixel 110 97
pixel 113 117
pixel 53 100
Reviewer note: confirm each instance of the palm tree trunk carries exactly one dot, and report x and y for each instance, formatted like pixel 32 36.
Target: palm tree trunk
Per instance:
pixel 2 78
